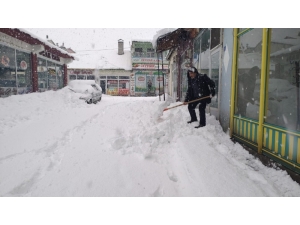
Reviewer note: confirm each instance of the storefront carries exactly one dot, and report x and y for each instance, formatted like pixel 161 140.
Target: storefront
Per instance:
pixel 15 72
pixel 207 52
pixel 148 71
pixel 112 81
pixel 265 90
pixel 29 64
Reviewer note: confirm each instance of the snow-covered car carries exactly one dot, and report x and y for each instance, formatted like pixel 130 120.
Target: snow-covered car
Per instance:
pixel 91 92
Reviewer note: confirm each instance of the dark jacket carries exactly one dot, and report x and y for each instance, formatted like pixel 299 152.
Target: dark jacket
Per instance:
pixel 205 87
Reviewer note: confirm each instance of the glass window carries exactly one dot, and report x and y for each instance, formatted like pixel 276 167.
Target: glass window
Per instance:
pixel 8 84
pixel 42 75
pixel 52 78
pixel 112 77
pixel 102 77
pixel 112 87
pixel 215 62
pixel 90 77
pixel 283 84
pixel 24 72
pixel 81 77
pixel 124 77
pixel 72 77
pixel 205 40
pixel 196 49
pixel 204 52
pixel 249 62
pixel 138 50
pixel 60 75
pixel 215 37
pixel 124 87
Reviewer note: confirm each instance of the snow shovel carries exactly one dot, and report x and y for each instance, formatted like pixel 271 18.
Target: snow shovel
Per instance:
pixel 187 103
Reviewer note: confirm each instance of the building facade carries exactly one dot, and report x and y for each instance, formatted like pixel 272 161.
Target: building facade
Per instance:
pixel 29 64
pixel 265 92
pixel 256 72
pixel 149 70
pixel 112 81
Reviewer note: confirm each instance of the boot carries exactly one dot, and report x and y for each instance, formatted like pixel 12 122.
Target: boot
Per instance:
pixel 200 125
pixel 192 121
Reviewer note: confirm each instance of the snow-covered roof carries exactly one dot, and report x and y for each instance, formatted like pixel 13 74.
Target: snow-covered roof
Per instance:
pixel 44 41
pixel 141 40
pixel 107 59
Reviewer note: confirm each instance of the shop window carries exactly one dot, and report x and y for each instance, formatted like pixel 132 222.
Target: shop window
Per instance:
pixel 215 63
pixel 72 77
pixel 124 77
pixel 249 62
pixel 52 78
pixel 60 76
pixel 8 81
pixel 102 77
pixel 42 75
pixel 196 48
pixel 24 81
pixel 205 40
pixel 124 87
pixel 215 37
pixel 90 77
pixel 283 83
pixel 81 77
pixel 112 87
pixel 112 77
pixel 205 52
pixel 138 50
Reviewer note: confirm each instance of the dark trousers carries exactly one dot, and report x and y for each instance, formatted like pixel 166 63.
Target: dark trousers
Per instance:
pixel 202 106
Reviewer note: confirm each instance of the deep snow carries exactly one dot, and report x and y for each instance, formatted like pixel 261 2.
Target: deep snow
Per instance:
pixel 54 144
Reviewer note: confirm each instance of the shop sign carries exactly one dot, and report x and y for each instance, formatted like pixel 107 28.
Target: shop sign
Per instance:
pixel 148 60
pixel 149 66
pixel 23 65
pixel 51 71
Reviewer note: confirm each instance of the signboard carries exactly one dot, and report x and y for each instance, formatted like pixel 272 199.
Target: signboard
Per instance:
pixel 149 66
pixel 148 60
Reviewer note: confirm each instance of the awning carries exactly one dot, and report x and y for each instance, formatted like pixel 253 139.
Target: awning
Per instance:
pixel 173 39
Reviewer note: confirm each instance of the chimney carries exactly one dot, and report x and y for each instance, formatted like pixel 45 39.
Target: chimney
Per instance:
pixel 120 47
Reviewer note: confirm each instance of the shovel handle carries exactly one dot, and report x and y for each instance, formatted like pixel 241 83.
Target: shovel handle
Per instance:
pixel 187 103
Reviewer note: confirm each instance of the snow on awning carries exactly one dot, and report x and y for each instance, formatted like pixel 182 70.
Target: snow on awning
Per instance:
pixel 166 40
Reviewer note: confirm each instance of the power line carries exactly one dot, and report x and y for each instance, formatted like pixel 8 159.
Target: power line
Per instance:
pixel 99 50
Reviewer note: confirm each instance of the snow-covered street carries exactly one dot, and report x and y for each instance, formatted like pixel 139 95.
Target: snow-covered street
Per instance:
pixel 54 144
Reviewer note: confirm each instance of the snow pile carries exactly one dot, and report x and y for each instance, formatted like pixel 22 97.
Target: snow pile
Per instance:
pixel 54 144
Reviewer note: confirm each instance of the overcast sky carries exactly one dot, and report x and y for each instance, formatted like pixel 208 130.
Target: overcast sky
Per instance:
pixel 82 39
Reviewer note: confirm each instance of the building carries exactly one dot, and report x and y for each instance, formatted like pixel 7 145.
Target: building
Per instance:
pixel 111 69
pixel 30 64
pixel 148 74
pixel 256 72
